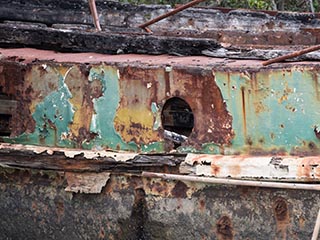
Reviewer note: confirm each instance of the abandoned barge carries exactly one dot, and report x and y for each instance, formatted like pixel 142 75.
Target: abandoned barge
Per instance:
pixel 178 132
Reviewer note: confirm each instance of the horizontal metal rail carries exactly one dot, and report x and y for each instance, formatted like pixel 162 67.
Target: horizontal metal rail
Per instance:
pixel 210 180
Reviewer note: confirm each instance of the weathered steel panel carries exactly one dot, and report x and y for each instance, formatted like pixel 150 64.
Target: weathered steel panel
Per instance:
pixel 119 106
pixel 131 207
pixel 274 110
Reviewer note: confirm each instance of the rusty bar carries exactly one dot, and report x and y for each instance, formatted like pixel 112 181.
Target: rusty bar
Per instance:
pixel 94 14
pixel 291 55
pixel 314 187
pixel 178 9
pixel 316 228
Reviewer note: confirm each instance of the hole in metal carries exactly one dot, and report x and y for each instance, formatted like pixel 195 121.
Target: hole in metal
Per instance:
pixel 177 120
pixel 5 129
pixel 7 106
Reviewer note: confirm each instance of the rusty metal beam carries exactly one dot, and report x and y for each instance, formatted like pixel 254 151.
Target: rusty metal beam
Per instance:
pixel 168 14
pixel 94 14
pixel 264 184
pixel 291 55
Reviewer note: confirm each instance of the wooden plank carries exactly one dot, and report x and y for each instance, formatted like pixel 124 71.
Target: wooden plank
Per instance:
pixel 58 159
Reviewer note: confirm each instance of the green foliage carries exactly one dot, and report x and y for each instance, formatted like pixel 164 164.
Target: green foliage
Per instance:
pixel 259 4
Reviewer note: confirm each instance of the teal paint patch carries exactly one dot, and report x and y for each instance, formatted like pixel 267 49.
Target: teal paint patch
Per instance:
pixel 155 147
pixel 156 115
pixel 105 110
pixel 272 110
pixel 211 148
pixel 52 117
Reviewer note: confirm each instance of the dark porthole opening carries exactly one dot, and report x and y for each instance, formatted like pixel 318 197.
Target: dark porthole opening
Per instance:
pixel 7 106
pixel 5 129
pixel 177 120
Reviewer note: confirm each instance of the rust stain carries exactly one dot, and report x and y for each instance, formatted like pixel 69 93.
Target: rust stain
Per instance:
pixel 59 203
pixel 302 222
pixel 316 84
pixel 180 190
pixel 138 90
pixel 167 82
pixel 215 169
pixel 12 84
pixel 101 233
pixel 83 93
pixel 38 90
pixel 244 110
pixel 308 168
pixel 281 212
pixel 202 203
pixel 224 228
pixel 207 104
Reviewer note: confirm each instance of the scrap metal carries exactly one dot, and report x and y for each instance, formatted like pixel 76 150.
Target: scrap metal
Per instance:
pixel 178 9
pixel 93 9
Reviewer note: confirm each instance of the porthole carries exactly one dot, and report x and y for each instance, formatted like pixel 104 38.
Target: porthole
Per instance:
pixel 177 120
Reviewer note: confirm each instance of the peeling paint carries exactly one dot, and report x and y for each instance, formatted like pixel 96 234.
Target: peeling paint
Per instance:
pixel 119 106
pixel 277 168
pixel 86 182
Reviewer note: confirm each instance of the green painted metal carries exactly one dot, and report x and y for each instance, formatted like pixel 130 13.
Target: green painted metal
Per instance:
pixel 52 115
pixel 105 110
pixel 274 110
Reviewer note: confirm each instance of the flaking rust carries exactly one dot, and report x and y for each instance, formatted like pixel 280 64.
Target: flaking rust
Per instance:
pixel 111 107
pixel 119 105
pixel 98 124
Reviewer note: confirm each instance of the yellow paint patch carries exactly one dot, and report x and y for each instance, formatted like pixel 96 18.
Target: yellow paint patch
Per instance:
pixel 78 86
pixel 63 70
pixel 135 124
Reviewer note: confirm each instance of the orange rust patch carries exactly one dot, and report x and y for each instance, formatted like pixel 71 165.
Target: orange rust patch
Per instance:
pixel 308 168
pixel 281 212
pixel 224 228
pixel 207 105
pixel 215 169
pixel 180 190
pixel 138 90
pixel 83 93
pixel 202 204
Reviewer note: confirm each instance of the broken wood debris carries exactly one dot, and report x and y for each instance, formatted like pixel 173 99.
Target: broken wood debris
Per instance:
pixel 102 42
pixel 68 160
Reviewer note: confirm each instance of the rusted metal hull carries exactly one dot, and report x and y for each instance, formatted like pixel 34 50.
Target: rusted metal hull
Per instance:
pixel 121 104
pixel 124 103
pixel 35 205
pixel 85 137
